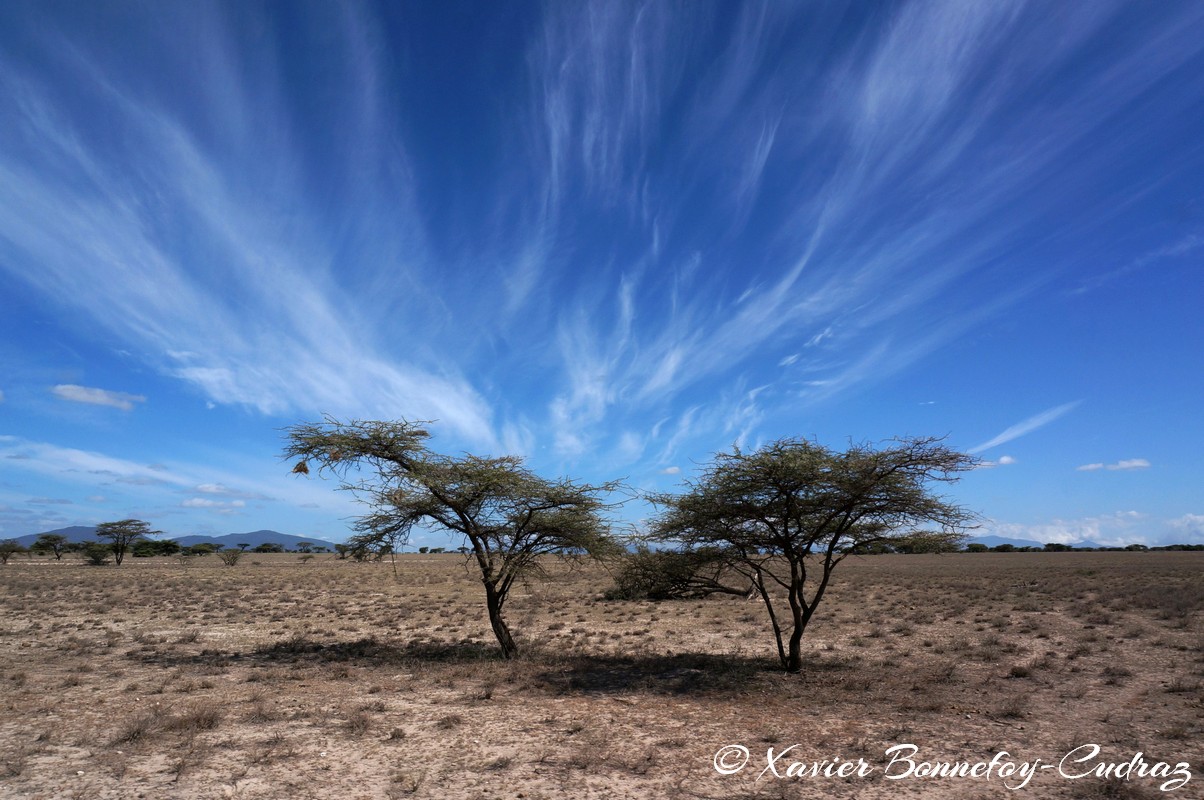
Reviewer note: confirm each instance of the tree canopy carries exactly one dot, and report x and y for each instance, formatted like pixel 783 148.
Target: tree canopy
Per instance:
pixel 122 534
pixel 783 516
pixel 54 543
pixel 507 515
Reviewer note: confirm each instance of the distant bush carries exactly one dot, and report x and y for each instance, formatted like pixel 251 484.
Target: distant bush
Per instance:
pixel 149 548
pixel 230 556
pixel 9 548
pixel 977 547
pixel 96 553
pixel 669 574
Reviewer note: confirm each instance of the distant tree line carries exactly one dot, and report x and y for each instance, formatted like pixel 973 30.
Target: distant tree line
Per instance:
pixel 1057 547
pixel 134 538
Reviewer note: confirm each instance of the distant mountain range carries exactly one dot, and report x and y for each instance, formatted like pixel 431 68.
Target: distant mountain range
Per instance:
pixel 84 533
pixel 995 541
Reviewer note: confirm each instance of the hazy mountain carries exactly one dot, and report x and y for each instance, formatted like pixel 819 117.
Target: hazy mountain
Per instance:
pixel 254 539
pixel 76 533
pixel 84 533
pixel 995 541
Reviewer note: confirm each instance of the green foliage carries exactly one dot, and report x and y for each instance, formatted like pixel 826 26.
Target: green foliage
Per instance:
pixel 785 515
pixel 148 548
pixel 9 548
pixel 96 553
pixel 508 516
pixel 977 547
pixel 230 556
pixel 270 547
pixel 202 549
pixel 122 534
pixel 51 543
pixel 670 575
pixel 926 543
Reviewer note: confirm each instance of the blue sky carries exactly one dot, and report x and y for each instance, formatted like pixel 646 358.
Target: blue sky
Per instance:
pixel 614 238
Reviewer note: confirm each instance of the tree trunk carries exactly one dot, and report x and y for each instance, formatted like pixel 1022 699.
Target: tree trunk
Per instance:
pixel 798 617
pixel 494 600
pixel 794 659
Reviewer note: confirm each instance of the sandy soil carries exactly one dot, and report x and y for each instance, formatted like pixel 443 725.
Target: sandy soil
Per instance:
pixel 329 679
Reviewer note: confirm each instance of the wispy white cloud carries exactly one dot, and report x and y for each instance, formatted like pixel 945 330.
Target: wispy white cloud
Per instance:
pixel 1115 529
pixel 163 483
pixel 1027 426
pixel 1189 526
pixel 687 195
pixel 1176 249
pixel 1124 464
pixel 97 397
pixel 937 72
pixel 205 502
pixel 310 344
pixel 226 491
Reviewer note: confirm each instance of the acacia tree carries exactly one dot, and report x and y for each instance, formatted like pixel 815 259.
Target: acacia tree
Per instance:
pixel 507 515
pixel 122 534
pixel 50 543
pixel 9 548
pixel 785 515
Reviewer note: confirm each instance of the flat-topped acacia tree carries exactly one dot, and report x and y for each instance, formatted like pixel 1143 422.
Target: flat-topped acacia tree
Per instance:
pixel 784 515
pixel 509 516
pixel 123 534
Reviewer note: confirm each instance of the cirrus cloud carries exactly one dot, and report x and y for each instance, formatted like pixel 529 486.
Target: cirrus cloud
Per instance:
pixel 1123 464
pixel 97 397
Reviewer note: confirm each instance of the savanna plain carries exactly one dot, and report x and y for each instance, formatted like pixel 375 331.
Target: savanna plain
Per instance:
pixel 323 678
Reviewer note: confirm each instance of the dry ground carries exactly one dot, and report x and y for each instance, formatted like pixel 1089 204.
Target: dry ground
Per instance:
pixel 330 679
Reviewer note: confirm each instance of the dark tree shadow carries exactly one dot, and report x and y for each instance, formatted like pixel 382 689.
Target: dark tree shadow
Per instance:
pixel 536 669
pixel 680 674
pixel 301 650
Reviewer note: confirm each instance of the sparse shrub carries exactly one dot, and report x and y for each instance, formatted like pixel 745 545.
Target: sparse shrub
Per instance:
pixel 358 722
pixel 670 574
pixel 136 729
pixel 96 554
pixel 230 556
pixel 198 717
pixel 9 548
